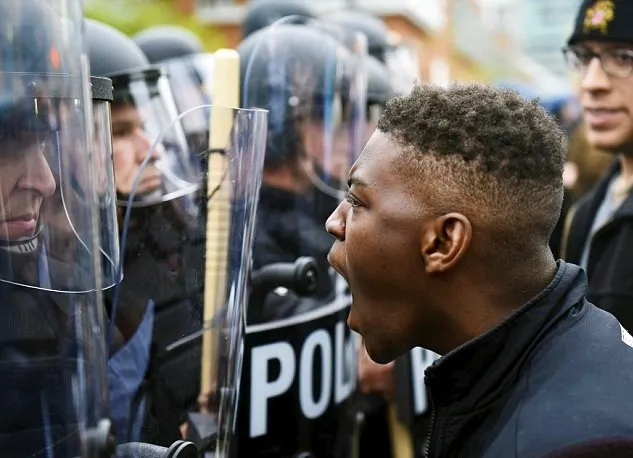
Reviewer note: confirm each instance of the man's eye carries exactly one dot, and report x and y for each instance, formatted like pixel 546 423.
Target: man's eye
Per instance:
pixel 584 56
pixel 625 57
pixel 351 200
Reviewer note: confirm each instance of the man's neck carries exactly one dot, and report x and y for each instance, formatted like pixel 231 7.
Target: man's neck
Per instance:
pixel 626 167
pixel 494 302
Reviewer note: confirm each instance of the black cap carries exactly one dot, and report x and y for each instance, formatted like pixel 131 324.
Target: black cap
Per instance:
pixel 604 20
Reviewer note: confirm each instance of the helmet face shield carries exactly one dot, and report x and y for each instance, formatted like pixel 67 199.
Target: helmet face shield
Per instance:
pixel 316 98
pixel 52 384
pixel 190 79
pixel 145 122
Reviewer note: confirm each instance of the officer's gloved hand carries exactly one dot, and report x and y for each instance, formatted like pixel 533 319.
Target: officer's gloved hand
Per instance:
pixel 179 449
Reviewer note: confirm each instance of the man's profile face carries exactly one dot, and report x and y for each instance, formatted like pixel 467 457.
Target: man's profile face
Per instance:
pixel 25 181
pixel 130 145
pixel 378 251
pixel 607 101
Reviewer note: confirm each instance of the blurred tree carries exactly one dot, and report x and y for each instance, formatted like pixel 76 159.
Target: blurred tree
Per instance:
pixel 132 16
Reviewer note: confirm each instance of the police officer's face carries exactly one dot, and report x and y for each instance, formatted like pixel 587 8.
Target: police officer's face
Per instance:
pixel 330 152
pixel 25 181
pixel 607 100
pixel 377 251
pixel 130 145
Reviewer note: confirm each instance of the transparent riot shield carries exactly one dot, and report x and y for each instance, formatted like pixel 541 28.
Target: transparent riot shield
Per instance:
pixel 185 287
pixel 51 341
pixel 298 353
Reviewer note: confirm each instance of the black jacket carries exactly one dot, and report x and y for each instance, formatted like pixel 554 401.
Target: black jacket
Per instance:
pixel 610 262
pixel 556 372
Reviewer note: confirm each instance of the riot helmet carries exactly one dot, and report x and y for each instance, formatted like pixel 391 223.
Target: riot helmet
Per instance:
pixel 189 70
pixel 164 42
pixel 399 59
pixel 262 13
pixel 314 95
pixel 374 28
pixel 52 384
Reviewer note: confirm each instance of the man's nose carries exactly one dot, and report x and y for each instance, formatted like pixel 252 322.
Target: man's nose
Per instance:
pixel 38 176
pixel 595 78
pixel 335 224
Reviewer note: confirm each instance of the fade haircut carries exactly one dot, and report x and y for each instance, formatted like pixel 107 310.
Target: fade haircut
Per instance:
pixel 482 151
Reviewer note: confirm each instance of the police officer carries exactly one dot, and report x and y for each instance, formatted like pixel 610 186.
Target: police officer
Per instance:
pixel 159 300
pixel 163 212
pixel 51 342
pixel 316 101
pixel 313 127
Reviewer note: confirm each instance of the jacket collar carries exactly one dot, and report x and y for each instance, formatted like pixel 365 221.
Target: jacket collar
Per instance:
pixel 585 213
pixel 479 370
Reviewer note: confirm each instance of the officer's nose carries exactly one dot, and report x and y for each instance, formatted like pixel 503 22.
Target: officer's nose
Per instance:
pixel 38 176
pixel 335 224
pixel 142 145
pixel 594 78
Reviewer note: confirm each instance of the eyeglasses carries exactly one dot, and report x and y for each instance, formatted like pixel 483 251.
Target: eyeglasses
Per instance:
pixel 616 62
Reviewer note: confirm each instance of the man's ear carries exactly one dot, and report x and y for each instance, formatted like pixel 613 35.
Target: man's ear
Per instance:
pixel 444 241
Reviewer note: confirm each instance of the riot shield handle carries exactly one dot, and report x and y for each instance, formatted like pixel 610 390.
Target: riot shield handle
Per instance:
pixel 300 277
pixel 179 449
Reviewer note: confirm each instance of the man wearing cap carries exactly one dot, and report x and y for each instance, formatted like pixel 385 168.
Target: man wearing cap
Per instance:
pixel 599 230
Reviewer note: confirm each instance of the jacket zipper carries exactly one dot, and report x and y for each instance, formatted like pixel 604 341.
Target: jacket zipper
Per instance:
pixel 429 436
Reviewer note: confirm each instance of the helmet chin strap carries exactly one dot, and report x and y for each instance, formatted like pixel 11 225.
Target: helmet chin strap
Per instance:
pixel 23 245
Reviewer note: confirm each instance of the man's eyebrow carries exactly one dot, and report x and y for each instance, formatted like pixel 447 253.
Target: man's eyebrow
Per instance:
pixel 354 180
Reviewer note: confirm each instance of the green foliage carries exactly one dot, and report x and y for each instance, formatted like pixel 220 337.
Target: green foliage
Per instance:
pixel 132 16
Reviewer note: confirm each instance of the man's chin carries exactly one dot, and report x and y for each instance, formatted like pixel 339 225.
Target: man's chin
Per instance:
pixel 378 353
pixel 609 142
